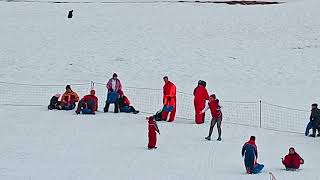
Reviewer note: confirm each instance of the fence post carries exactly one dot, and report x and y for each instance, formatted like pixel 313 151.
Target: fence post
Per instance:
pixel 260 119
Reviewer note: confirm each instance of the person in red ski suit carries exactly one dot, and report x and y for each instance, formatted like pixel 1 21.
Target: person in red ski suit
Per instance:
pixel 169 99
pixel 200 96
pixel 216 114
pixel 292 160
pixel 152 135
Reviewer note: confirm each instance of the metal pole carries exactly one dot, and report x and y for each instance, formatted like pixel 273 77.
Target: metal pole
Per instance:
pixel 260 116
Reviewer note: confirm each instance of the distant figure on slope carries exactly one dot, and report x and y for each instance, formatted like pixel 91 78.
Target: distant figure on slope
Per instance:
pixel 70 14
pixel 88 104
pixel 152 135
pixel 314 121
pixel 200 96
pixel 250 154
pixel 69 99
pixel 54 102
pixel 124 105
pixel 169 100
pixel 216 114
pixel 292 160
pixel 114 88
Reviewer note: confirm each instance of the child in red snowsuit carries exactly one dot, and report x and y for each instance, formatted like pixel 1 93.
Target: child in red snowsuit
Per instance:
pixel 152 135
pixel 292 160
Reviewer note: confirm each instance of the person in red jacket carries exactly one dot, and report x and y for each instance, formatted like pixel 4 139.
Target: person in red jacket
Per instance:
pixel 169 100
pixel 216 114
pixel 200 96
pixel 88 104
pixel 292 160
pixel 152 135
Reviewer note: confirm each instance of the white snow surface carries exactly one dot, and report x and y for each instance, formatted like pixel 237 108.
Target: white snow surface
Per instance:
pixel 244 53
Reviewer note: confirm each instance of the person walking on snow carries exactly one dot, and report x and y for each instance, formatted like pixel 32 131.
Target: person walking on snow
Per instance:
pixel 200 96
pixel 169 100
pixel 152 135
pixel 250 154
pixel 216 114
pixel 292 160
pixel 114 88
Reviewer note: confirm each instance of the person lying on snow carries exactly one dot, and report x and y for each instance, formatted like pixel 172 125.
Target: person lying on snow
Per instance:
pixel 54 102
pixel 250 154
pixel 88 104
pixel 292 160
pixel 68 100
pixel 124 105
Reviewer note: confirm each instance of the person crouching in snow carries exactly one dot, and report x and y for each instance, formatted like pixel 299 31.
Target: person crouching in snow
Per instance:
pixel 54 102
pixel 292 160
pixel 216 114
pixel 124 105
pixel 88 104
pixel 69 99
pixel 152 135
pixel 250 154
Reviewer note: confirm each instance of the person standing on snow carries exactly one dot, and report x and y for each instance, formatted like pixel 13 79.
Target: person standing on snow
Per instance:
pixel 200 96
pixel 250 154
pixel 314 121
pixel 216 114
pixel 152 135
pixel 114 88
pixel 292 160
pixel 169 100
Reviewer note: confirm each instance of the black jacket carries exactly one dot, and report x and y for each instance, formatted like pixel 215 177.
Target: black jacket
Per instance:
pixel 315 115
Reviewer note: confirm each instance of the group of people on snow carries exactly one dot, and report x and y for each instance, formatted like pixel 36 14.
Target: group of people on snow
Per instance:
pixel 291 161
pixel 202 102
pixel 89 103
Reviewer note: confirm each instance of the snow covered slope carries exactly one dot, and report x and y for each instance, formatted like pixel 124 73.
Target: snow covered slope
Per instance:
pixel 243 52
pixel 60 145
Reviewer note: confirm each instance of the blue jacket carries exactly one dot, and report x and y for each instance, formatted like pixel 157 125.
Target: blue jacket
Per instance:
pixel 250 153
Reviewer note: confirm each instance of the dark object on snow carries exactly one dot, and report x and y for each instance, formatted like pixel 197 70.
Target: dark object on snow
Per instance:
pixel 158 115
pixel 70 14
pixel 54 102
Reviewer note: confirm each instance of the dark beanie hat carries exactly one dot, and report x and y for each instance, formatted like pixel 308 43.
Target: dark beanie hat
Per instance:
pixel 115 75
pixel 68 87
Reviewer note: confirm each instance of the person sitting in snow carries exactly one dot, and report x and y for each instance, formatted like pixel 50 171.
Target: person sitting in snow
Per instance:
pixel 69 99
pixel 216 114
pixel 292 160
pixel 152 135
pixel 250 154
pixel 314 121
pixel 54 102
pixel 124 105
pixel 88 104
pixel 114 88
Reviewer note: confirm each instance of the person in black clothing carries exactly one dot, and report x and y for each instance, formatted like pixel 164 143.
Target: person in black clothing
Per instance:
pixel 315 119
pixel 54 102
pixel 70 14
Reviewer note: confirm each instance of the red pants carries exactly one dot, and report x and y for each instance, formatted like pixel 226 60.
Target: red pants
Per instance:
pixel 198 107
pixel 172 114
pixel 152 139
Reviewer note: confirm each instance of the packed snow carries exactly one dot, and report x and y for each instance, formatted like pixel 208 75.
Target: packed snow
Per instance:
pixel 245 53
